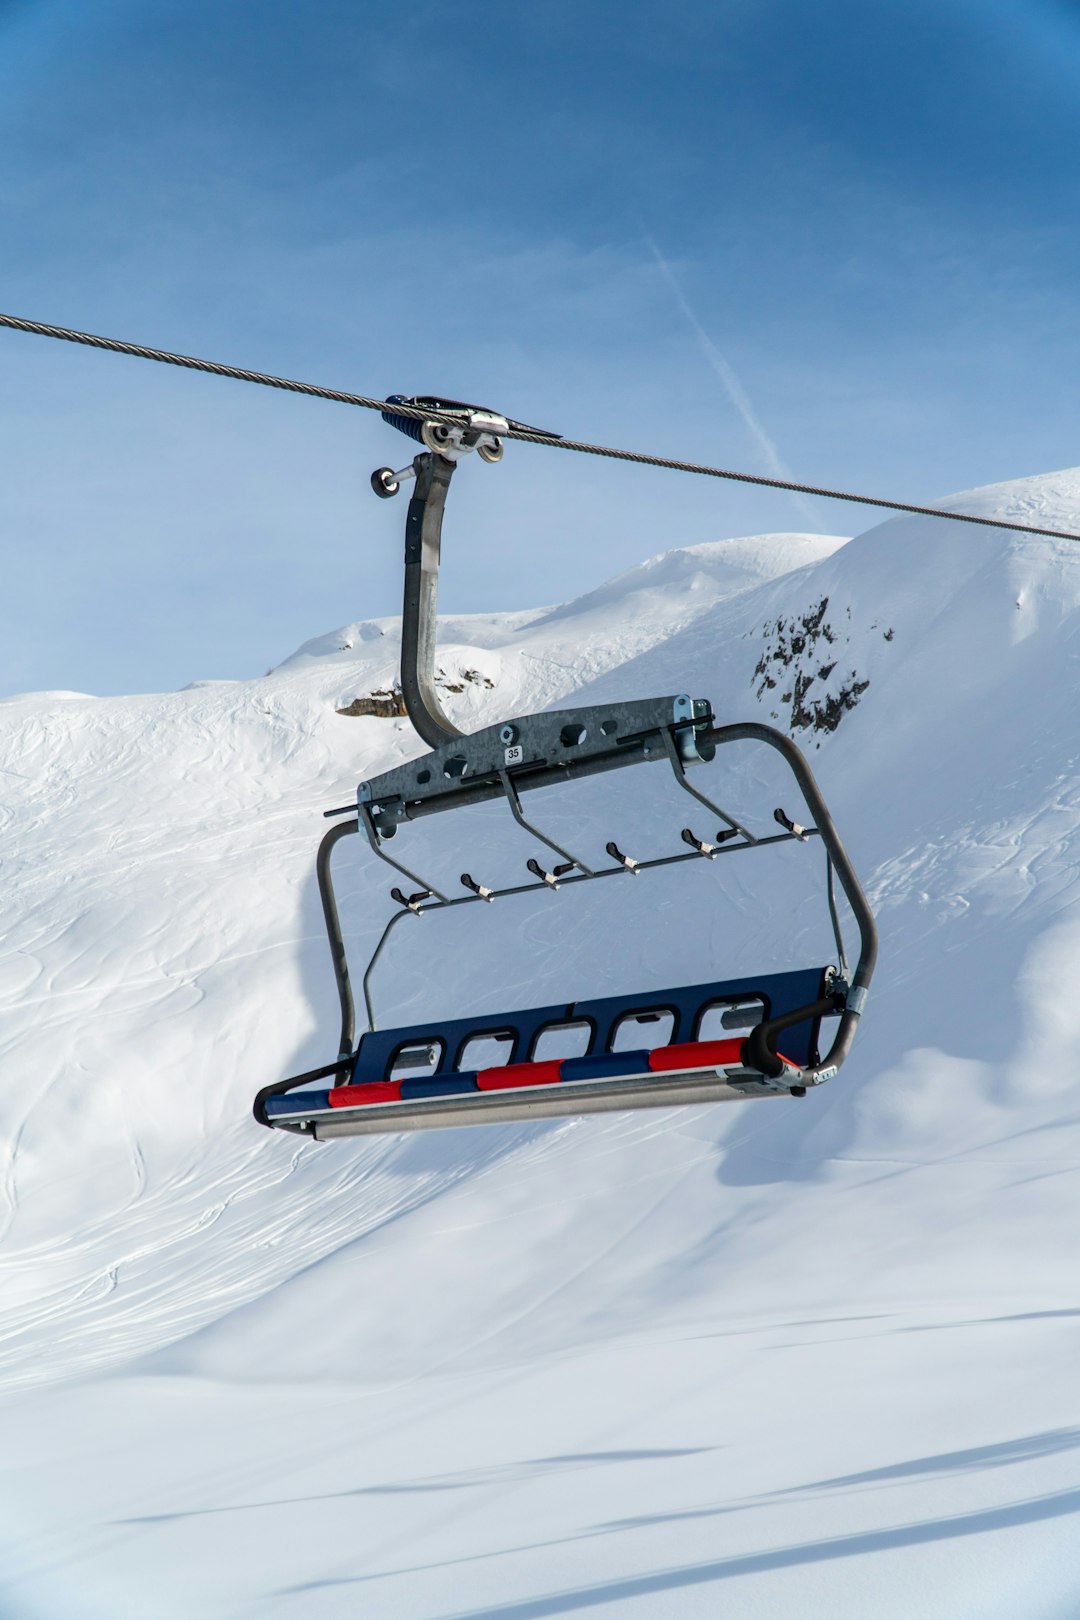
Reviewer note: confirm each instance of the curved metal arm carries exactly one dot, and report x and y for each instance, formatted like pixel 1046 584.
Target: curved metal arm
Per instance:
pixel 341 977
pixel 751 731
pixel 334 936
pixel 762 1040
pixel 376 953
pixel 423 539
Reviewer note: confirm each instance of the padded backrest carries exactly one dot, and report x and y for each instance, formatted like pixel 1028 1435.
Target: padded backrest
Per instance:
pixel 780 993
pixel 377 1047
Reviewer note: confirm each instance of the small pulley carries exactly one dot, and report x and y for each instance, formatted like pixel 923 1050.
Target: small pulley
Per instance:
pixel 453 432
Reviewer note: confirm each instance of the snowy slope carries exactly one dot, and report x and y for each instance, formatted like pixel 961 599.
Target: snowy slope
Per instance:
pixel 789 1357
pixel 159 861
pixel 535 658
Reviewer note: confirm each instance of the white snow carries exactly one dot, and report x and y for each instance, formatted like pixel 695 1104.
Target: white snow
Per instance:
pixel 809 1358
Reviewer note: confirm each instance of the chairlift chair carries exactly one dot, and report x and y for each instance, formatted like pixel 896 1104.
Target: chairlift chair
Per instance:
pixel 758 1036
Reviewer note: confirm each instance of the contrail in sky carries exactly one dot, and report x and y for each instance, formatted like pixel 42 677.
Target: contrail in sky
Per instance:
pixel 733 388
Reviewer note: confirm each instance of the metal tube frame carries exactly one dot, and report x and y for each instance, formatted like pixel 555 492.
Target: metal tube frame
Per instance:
pixel 347 1040
pixel 848 998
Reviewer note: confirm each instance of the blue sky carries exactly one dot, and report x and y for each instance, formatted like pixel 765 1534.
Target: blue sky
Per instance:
pixel 871 215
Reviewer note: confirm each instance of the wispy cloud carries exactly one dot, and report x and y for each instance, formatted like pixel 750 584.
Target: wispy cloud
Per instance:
pixel 730 382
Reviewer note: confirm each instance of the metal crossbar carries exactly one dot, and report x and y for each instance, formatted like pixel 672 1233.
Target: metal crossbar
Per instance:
pixel 425 906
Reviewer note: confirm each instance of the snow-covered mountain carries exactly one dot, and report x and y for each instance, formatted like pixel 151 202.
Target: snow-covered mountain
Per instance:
pixel 810 1358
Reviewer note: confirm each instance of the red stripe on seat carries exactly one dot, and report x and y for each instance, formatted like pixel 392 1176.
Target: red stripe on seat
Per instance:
pixel 697 1055
pixel 355 1096
pixel 519 1074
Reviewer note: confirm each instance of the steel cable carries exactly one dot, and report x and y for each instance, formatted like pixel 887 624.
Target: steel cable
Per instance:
pixel 516 430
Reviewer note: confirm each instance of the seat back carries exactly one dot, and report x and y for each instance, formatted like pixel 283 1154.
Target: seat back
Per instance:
pixel 779 992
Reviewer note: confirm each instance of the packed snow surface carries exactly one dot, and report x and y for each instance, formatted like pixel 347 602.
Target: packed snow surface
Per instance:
pixel 791 1357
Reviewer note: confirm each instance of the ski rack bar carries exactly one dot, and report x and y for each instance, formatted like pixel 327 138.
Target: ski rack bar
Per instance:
pixel 563 882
